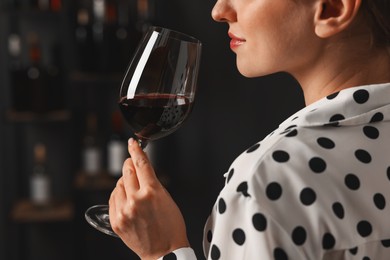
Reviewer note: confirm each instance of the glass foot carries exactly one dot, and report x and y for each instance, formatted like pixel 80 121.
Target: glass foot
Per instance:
pixel 97 216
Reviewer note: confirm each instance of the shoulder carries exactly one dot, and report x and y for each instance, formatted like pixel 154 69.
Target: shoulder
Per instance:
pixel 309 181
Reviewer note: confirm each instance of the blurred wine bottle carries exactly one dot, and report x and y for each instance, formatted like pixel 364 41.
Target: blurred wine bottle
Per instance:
pixel 40 182
pixel 111 53
pixel 116 146
pixel 37 77
pixel 98 35
pixel 83 36
pixel 145 15
pixel 18 78
pixel 106 33
pixel 126 37
pixel 92 155
pixel 55 88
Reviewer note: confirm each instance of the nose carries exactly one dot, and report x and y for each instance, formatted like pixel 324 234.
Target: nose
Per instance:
pixel 223 11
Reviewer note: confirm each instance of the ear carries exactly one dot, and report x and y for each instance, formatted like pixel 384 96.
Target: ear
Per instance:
pixel 333 16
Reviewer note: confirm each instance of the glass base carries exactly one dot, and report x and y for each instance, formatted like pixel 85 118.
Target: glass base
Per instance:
pixel 97 216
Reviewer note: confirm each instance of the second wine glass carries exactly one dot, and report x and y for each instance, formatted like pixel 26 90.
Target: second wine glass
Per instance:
pixel 157 93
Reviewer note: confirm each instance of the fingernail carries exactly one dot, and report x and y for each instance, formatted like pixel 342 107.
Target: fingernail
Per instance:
pixel 131 141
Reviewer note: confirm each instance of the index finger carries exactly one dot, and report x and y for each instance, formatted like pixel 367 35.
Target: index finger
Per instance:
pixel 143 168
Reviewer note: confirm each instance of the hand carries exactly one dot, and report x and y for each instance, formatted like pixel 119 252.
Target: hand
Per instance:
pixel 142 213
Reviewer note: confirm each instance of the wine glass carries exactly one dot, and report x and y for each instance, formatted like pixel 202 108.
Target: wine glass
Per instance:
pixel 156 95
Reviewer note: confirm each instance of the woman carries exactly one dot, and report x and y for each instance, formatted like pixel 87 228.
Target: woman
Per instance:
pixel 318 187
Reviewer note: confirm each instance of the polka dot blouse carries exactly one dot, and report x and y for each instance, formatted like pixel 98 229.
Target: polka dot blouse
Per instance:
pixel 318 187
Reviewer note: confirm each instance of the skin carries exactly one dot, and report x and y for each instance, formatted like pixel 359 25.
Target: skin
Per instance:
pixel 142 213
pixel 324 44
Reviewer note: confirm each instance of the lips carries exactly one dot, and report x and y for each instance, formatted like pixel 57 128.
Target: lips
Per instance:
pixel 235 41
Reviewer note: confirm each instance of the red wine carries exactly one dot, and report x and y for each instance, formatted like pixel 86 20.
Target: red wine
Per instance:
pixel 152 116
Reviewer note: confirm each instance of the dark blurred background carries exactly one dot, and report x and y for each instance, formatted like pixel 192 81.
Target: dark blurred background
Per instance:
pixel 61 63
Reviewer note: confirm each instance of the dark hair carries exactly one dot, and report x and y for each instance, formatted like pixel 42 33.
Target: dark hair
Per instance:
pixel 378 15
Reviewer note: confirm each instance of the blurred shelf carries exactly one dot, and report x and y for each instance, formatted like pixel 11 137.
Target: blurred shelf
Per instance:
pixel 95 77
pixel 25 211
pixel 30 117
pixel 99 182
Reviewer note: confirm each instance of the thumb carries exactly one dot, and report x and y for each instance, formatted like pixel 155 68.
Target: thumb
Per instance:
pixel 143 168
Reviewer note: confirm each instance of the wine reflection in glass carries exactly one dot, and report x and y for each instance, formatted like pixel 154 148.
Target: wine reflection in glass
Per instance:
pixel 156 95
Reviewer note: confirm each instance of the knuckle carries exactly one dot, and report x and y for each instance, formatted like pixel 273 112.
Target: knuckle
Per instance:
pixel 141 162
pixel 119 222
pixel 130 209
pixel 126 165
pixel 149 193
pixel 121 218
pixel 119 183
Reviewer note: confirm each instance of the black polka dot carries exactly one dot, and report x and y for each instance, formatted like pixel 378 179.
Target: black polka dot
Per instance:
pixel 366 258
pixel 379 201
pixel 307 196
pixel 352 181
pixel 363 156
pixel 230 175
pixel 325 143
pixel 353 250
pixel 209 236
pixel 274 191
pixel 243 188
pixel 215 253
pixel 377 117
pixel 386 243
pixel 221 206
pixel 317 165
pixel 253 148
pixel 364 228
pixel 336 117
pixel 259 222
pixel 280 156
pixel 170 256
pixel 335 124
pixel 388 173
pixel 291 126
pixel 280 254
pixel 284 132
pixel 239 236
pixel 328 241
pixel 299 236
pixel 292 133
pixel 361 96
pixel 332 96
pixel 338 210
pixel 371 132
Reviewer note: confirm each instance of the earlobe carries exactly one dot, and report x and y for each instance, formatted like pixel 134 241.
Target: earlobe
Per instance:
pixel 333 16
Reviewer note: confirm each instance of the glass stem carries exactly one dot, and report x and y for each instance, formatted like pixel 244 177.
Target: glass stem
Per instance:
pixel 142 143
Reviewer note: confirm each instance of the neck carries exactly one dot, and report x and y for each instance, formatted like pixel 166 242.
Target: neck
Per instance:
pixel 343 68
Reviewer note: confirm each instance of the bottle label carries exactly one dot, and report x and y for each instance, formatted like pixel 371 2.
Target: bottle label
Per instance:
pixel 40 192
pixel 116 157
pixel 92 160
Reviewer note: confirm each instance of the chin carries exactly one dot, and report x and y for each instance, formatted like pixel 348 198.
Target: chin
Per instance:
pixel 253 72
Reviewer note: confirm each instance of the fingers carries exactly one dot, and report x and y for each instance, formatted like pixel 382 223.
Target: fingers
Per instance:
pixel 142 166
pixel 130 180
pixel 116 204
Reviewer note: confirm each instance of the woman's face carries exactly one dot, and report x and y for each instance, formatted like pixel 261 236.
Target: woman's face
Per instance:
pixel 268 36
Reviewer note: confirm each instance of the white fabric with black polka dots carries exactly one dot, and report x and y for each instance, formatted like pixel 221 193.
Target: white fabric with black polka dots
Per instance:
pixel 318 187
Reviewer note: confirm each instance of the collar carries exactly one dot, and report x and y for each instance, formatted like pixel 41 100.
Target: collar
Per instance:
pixel 351 106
